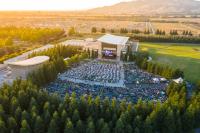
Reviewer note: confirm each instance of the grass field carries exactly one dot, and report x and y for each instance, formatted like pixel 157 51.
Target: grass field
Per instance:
pixel 183 56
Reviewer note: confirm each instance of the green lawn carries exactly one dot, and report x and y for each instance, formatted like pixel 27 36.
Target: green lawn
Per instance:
pixel 183 56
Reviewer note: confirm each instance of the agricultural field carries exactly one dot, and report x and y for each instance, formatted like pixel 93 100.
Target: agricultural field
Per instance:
pixel 83 26
pixel 84 22
pixel 183 56
pixel 176 19
pixel 15 40
pixel 180 27
pixel 64 20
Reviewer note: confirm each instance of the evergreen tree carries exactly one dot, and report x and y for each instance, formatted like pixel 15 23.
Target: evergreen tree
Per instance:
pixel 12 124
pixel 148 126
pixel 69 127
pixel 71 31
pixel 39 125
pixel 90 127
pixel 80 127
pixel 25 128
pixel 2 127
pixel 112 31
pixel 137 130
pixel 94 30
pixel 18 113
pixel 53 127
pixel 103 30
pixel 119 127
pixel 75 116
pixel 105 129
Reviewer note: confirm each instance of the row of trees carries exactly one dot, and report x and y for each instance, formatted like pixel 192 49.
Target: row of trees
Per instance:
pixel 24 108
pixel 43 35
pixel 166 38
pixel 122 30
pixel 14 52
pixel 146 31
pixel 184 33
pixel 141 59
pixel 6 42
pixel 49 71
pixel 187 33
pixel 160 32
pixel 58 51
pixel 173 32
pixel 25 39
pixel 103 30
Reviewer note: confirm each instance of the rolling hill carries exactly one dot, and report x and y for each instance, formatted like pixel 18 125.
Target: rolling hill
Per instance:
pixel 151 7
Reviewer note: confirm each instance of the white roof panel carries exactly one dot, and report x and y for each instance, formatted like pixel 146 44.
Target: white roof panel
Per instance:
pixel 30 62
pixel 113 39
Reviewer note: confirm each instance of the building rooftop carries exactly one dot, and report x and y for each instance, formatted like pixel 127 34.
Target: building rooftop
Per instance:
pixel 113 39
pixel 30 62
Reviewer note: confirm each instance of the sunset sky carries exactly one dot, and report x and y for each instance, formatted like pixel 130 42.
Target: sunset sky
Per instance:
pixel 54 4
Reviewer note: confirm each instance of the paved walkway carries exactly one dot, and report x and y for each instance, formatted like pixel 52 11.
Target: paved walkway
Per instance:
pixel 119 84
pixel 26 54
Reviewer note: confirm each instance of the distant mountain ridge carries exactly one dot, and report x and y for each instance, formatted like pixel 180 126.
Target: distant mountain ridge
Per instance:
pixel 151 7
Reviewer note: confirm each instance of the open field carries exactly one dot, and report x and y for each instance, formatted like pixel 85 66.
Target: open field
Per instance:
pixel 84 22
pixel 80 25
pixel 176 19
pixel 183 56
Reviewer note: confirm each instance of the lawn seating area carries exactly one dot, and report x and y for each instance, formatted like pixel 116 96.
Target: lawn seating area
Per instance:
pixel 95 71
pixel 138 84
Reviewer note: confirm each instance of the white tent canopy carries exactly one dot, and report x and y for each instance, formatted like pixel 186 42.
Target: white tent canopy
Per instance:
pixel 178 81
pixel 113 39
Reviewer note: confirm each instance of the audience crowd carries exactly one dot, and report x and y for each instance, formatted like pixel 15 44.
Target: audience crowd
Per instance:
pixel 96 71
pixel 138 84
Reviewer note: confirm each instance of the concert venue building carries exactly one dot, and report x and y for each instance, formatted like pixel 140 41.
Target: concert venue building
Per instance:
pixel 112 46
pixel 108 46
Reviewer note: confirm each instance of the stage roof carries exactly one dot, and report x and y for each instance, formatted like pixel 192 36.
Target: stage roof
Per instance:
pixel 113 39
pixel 30 62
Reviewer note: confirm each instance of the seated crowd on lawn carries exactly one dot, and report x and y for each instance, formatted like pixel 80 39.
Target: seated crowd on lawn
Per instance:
pixel 139 84
pixel 96 71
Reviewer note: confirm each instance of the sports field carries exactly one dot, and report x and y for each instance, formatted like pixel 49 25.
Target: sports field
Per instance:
pixel 183 56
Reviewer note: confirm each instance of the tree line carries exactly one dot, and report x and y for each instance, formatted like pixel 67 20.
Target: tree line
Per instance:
pixel 146 31
pixel 142 61
pixel 43 35
pixel 166 38
pixel 121 30
pixel 58 51
pixel 6 42
pixel 25 108
pixel 50 70
pixel 16 40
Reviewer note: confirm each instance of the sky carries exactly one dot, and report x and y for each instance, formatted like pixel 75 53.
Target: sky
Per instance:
pixel 54 4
